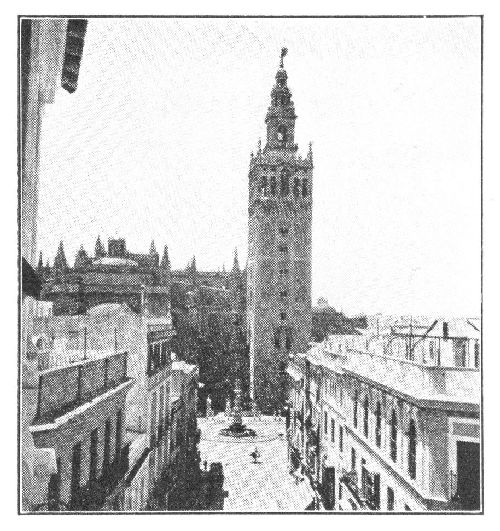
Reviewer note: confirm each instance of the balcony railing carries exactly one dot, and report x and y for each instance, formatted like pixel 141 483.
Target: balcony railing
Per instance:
pixel 421 381
pixel 364 495
pixel 63 389
pixel 93 496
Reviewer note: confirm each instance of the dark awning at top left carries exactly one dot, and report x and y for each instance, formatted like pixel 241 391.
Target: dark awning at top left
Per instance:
pixel 31 282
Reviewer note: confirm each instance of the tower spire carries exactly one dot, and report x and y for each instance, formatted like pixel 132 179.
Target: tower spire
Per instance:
pixel 284 51
pixel 280 117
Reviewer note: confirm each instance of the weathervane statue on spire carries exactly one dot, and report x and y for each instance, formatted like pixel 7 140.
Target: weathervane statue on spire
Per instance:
pixel 284 51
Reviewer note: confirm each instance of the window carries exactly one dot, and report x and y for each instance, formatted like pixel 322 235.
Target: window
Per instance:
pixel 353 459
pixel 285 182
pixel 390 499
pixel 281 134
pixel 94 439
pixel 284 272
pixel 283 316
pixel 341 438
pixel 332 430
pixel 283 248
pixel 283 231
pixel 394 436
pixel 150 358
pixel 288 343
pixel 340 491
pixel 76 472
pixel 305 188
pixel 118 434
pixel 355 411
pixel 283 294
pixel 365 417
pixel 152 428
pixel 163 353
pixel 54 489
pixel 378 425
pixel 296 187
pixel 477 355
pixel 273 185
pixel 412 450
pixel 277 340
pixel 263 185
pixel 376 492
pixel 326 423
pixel 107 445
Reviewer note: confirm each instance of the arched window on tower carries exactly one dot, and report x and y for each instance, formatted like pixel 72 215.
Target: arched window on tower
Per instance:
pixel 281 134
pixel 263 185
pixel 305 188
pixel 288 342
pixel 273 184
pixel 296 187
pixel 412 450
pixel 285 182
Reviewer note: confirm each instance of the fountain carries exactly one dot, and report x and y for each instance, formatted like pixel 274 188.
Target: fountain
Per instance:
pixel 237 428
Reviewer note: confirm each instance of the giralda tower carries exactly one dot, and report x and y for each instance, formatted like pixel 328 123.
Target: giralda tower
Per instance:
pixel 279 251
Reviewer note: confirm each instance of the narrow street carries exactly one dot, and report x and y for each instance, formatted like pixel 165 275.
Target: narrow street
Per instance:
pixel 265 486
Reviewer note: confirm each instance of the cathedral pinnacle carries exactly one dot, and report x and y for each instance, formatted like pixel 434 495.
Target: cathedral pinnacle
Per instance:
pixel 99 248
pixel 165 261
pixel 236 265
pixel 60 261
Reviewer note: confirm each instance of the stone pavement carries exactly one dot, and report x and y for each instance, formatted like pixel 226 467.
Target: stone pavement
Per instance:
pixel 263 487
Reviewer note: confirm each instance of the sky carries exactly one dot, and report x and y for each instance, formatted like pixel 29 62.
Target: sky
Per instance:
pixel 156 142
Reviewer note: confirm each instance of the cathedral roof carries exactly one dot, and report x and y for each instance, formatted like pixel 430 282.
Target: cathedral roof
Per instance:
pixel 114 261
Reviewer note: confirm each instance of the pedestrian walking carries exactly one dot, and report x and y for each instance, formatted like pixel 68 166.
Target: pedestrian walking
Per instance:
pixel 255 455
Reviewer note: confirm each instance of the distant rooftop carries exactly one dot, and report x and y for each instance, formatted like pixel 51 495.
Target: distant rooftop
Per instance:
pixel 114 261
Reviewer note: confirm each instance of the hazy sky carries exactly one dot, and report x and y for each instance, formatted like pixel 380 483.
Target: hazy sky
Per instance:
pixel 156 142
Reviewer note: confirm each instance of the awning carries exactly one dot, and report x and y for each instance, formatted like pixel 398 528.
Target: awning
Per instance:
pixel 31 283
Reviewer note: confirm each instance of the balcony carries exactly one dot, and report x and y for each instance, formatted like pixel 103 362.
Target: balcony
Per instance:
pixel 424 382
pixel 63 389
pixel 364 497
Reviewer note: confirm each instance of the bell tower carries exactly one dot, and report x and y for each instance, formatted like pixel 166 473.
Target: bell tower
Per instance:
pixel 279 251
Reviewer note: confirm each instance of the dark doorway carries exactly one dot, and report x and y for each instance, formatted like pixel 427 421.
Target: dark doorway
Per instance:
pixel 468 475
pixel 329 487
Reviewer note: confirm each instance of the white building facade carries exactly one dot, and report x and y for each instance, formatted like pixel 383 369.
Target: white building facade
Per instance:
pixel 384 430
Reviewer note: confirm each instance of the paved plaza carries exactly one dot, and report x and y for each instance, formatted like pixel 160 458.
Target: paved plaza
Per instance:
pixel 263 487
